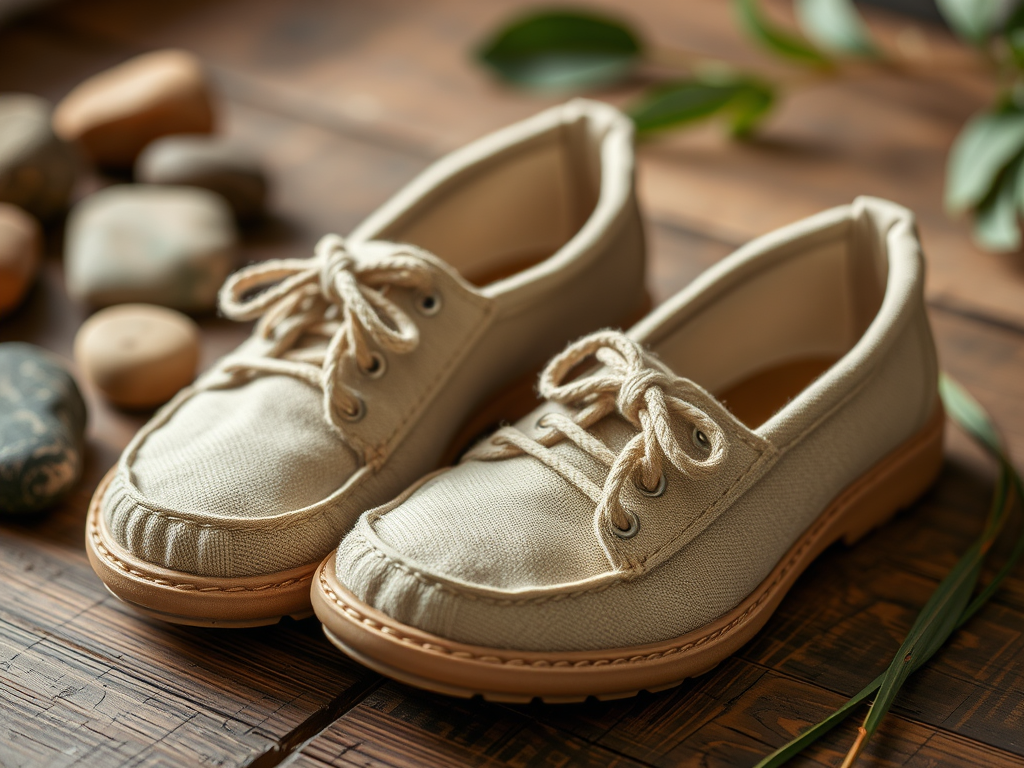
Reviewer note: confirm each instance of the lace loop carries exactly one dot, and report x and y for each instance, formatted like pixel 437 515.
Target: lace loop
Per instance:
pixel 337 294
pixel 644 393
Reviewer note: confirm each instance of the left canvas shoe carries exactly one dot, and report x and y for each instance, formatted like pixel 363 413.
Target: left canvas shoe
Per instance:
pixel 643 523
pixel 371 364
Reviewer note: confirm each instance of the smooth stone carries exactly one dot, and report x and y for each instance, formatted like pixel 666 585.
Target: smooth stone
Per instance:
pixel 210 162
pixel 138 355
pixel 20 246
pixel 172 246
pixel 116 113
pixel 37 169
pixel 42 429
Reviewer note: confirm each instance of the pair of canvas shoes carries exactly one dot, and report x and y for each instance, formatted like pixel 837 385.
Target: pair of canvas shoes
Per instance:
pixel 633 529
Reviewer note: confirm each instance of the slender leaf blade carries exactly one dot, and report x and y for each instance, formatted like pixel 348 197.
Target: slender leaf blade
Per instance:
pixel 973 419
pixel 934 624
pixel 985 146
pixel 777 40
pixel 787 752
pixel 563 50
pixel 835 25
pixel 969 415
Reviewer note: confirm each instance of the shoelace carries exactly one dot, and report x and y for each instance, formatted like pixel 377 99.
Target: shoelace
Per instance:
pixel 331 295
pixel 645 394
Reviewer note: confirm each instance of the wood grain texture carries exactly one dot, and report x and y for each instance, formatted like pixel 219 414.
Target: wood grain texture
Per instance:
pixel 347 101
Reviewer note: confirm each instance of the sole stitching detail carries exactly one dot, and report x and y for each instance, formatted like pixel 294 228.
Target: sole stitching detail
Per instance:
pixel 111 558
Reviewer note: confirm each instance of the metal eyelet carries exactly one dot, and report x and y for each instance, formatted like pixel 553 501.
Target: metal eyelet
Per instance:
pixel 378 367
pixel 540 423
pixel 657 491
pixel 629 533
pixel 357 414
pixel 700 440
pixel 429 304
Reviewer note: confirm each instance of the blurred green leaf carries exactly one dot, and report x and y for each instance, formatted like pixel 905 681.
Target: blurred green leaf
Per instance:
pixel 967 412
pixel 985 146
pixel 774 39
pixel 835 25
pixel 745 101
pixel 974 20
pixel 995 221
pixel 750 106
pixel 972 418
pixel 563 50
pixel 1013 30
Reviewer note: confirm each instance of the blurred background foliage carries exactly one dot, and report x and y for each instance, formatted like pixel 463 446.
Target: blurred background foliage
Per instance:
pixel 578 50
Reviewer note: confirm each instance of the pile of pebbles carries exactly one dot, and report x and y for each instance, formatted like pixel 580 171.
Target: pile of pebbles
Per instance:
pixel 141 253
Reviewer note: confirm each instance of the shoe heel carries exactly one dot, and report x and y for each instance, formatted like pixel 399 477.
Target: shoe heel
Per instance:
pixel 895 482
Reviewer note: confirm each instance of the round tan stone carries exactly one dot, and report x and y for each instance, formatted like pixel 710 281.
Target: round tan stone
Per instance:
pixel 20 245
pixel 138 355
pixel 115 113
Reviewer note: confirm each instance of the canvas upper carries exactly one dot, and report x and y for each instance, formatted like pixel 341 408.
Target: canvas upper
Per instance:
pixel 368 358
pixel 672 466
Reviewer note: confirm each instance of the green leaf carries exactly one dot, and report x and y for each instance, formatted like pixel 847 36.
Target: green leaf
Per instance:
pixel 937 620
pixel 774 39
pixel 973 20
pixel 563 50
pixel 969 415
pixel 984 147
pixel 744 101
pixel 750 106
pixel 835 25
pixel 995 221
pixel 787 752
pixel 1013 30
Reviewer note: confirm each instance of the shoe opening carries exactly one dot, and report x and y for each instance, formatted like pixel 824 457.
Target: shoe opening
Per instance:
pixel 515 208
pixel 769 335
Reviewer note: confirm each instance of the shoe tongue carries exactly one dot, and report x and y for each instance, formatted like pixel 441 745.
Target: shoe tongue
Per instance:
pixel 613 430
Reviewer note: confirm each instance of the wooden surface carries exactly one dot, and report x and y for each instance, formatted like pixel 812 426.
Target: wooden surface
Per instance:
pixel 346 101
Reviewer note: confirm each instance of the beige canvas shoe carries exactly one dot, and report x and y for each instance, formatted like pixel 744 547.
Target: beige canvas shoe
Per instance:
pixel 644 522
pixel 369 362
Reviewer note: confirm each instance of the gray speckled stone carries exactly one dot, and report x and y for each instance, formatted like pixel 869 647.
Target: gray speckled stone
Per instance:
pixel 172 246
pixel 37 170
pixel 42 427
pixel 210 162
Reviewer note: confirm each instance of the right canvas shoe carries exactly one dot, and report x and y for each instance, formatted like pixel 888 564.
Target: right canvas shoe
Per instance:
pixel 645 521
pixel 370 364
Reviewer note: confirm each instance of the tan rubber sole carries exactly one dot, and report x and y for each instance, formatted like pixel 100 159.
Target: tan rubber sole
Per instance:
pixel 435 663
pixel 183 598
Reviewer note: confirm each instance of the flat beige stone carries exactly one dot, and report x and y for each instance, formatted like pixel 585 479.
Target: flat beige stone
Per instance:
pixel 141 243
pixel 138 355
pixel 115 113
pixel 20 245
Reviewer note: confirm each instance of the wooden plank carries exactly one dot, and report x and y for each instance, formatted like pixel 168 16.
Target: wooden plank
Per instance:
pixel 348 101
pixel 402 73
pixel 732 717
pixel 86 681
pixel 400 726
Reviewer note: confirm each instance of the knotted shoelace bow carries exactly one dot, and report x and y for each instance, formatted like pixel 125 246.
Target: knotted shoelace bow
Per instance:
pixel 645 394
pixel 331 295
